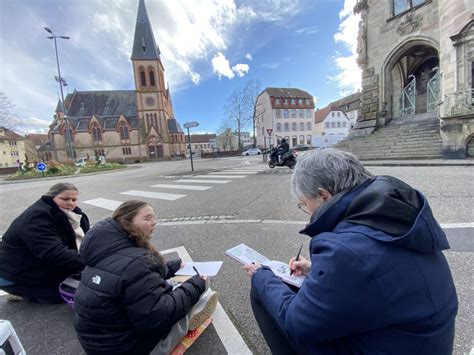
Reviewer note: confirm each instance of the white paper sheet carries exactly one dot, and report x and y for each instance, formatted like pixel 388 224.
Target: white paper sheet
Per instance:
pixel 209 268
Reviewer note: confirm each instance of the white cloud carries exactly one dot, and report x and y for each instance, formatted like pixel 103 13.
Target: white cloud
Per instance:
pixel 221 66
pixel 272 65
pixel 349 76
pixel 248 56
pixel 241 69
pixel 307 30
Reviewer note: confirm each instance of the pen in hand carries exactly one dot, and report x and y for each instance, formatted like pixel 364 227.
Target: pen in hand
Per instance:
pixel 297 257
pixel 197 272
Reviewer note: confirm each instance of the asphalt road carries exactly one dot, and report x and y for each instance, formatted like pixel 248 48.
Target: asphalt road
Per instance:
pixel 258 210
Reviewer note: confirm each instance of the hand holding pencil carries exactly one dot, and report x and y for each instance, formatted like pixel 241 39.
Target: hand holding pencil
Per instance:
pixel 299 265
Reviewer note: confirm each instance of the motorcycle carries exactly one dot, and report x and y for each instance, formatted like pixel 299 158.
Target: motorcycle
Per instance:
pixel 288 159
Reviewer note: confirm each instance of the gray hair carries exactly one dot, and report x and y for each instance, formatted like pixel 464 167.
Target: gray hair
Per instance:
pixel 329 169
pixel 56 189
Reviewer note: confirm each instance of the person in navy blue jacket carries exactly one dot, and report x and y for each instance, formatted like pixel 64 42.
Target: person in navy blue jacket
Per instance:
pixel 377 280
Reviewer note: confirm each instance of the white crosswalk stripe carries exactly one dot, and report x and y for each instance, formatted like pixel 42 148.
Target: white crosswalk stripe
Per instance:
pixel 205 181
pixel 246 172
pixel 229 176
pixel 104 203
pixel 157 195
pixel 183 187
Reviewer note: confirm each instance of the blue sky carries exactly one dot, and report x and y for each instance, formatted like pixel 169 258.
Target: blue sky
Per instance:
pixel 209 48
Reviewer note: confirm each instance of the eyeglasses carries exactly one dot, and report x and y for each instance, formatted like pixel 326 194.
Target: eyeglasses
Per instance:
pixel 150 218
pixel 302 206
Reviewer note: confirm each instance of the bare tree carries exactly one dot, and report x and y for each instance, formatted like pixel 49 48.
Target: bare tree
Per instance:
pixel 236 110
pixel 251 92
pixel 7 119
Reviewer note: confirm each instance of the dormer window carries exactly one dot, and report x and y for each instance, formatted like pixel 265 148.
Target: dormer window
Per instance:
pixel 96 133
pixel 277 101
pixel 124 133
pixel 400 6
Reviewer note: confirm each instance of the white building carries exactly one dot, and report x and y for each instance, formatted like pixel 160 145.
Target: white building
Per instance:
pixel 284 113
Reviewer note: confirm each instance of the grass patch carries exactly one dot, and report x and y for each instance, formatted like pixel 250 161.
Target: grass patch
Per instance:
pixel 101 167
pixel 35 174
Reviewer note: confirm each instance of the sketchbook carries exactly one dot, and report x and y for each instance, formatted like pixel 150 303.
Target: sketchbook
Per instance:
pixel 246 255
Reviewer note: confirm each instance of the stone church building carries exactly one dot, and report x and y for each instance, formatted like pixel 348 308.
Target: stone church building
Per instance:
pixel 122 125
pixel 417 58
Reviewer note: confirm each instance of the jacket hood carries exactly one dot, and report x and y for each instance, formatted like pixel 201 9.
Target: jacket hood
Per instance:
pixel 103 239
pixel 385 209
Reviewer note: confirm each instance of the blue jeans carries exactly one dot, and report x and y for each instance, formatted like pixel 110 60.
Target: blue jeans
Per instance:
pixel 274 336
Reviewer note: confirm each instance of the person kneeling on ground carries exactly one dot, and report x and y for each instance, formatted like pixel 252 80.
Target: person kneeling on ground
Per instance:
pixel 377 282
pixel 39 249
pixel 124 304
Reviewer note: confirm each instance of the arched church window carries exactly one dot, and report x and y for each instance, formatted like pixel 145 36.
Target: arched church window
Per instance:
pixel 155 119
pixel 142 77
pixel 96 133
pixel 152 77
pixel 147 119
pixel 124 134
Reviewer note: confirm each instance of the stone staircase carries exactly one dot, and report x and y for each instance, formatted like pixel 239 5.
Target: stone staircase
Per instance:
pixel 410 137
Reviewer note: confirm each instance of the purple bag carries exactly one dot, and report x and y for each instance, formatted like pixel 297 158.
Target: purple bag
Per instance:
pixel 68 288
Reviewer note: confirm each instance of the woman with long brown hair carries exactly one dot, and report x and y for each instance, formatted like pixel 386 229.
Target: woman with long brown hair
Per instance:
pixel 124 305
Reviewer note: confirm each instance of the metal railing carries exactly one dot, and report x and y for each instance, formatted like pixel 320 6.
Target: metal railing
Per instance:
pixel 459 103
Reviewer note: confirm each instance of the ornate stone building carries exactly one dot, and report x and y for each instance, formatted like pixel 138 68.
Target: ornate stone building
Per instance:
pixel 417 58
pixel 125 125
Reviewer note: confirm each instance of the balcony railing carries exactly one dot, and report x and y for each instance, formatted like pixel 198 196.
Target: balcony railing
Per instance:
pixel 460 103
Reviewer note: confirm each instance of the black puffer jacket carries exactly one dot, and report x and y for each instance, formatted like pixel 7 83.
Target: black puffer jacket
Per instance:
pixel 124 305
pixel 39 248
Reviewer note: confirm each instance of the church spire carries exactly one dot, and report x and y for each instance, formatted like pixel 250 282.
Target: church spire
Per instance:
pixel 144 45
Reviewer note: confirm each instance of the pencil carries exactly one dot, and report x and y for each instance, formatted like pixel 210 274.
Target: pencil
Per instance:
pixel 297 257
pixel 197 272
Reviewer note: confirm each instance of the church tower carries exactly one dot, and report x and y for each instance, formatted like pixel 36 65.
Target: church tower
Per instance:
pixel 160 133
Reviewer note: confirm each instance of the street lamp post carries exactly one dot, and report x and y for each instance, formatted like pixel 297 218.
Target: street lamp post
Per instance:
pixel 61 81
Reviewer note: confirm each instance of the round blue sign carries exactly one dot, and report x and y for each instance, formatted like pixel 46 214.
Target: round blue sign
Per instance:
pixel 41 166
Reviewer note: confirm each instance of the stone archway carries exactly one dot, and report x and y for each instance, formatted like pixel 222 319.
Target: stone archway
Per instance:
pixel 154 148
pixel 416 58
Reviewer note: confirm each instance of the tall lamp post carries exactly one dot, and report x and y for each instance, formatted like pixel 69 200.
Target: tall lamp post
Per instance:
pixel 61 80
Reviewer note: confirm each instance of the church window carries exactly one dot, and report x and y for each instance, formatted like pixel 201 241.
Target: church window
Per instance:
pixel 142 77
pixel 124 134
pixel 400 6
pixel 96 134
pixel 155 120
pixel 152 77
pixel 127 151
pixel 147 119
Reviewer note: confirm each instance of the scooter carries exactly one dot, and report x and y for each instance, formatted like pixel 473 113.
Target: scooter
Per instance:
pixel 288 159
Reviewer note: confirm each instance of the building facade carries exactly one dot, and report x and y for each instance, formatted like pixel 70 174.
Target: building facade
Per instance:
pixel 201 143
pixel 12 148
pixel 122 125
pixel 417 58
pixel 284 113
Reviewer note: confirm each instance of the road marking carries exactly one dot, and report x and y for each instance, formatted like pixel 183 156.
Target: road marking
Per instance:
pixel 104 203
pixel 456 225
pixel 183 187
pixel 221 176
pixel 229 221
pixel 157 195
pixel 200 181
pixel 225 329
pixel 237 172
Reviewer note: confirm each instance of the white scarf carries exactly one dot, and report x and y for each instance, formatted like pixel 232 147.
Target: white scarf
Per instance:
pixel 75 220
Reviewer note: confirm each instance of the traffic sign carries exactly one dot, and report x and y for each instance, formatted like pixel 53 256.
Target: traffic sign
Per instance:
pixel 191 124
pixel 269 131
pixel 41 166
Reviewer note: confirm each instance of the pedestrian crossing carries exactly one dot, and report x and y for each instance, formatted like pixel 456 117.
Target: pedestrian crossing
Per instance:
pixel 197 183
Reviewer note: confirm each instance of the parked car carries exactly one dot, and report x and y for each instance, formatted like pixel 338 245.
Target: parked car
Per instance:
pixel 252 151
pixel 83 161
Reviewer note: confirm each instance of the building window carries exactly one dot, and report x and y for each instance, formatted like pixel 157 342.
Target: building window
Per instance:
pixel 287 127
pixel 308 113
pixel 142 77
pixel 308 126
pixel 333 124
pixel 338 114
pixel 155 119
pixel 344 124
pixel 400 6
pixel 278 127
pixel 278 113
pixel 332 113
pixel 99 152
pixel 285 114
pixel 327 124
pixel 277 101
pixel 338 124
pixel 300 101
pixel 302 139
pixel 124 134
pixel 152 77
pixel 293 113
pixel 301 113
pixel 301 126
pixel 127 151
pixel 285 101
pixel 308 140
pixel 293 126
pixel 293 101
pixel 308 102
pixel 96 134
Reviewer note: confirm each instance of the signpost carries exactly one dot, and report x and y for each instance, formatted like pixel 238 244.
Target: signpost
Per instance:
pixel 189 125
pixel 41 167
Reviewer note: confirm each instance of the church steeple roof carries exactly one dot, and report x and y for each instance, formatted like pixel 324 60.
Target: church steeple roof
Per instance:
pixel 59 107
pixel 144 45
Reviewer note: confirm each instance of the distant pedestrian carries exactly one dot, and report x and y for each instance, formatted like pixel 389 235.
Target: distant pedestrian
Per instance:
pixel 124 304
pixel 377 280
pixel 40 248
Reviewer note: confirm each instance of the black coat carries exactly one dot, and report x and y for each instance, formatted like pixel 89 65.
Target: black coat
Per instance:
pixel 39 248
pixel 123 304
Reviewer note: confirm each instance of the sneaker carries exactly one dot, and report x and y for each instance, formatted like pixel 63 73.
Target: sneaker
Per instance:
pixel 14 298
pixel 203 309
